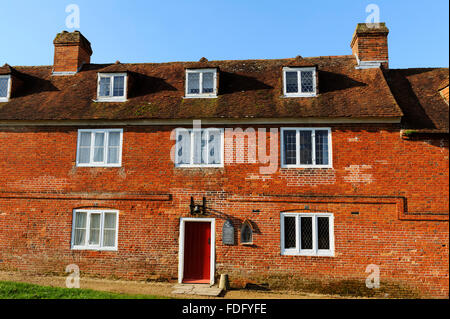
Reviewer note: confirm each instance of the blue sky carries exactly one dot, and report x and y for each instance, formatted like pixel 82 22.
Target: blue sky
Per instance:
pixel 161 31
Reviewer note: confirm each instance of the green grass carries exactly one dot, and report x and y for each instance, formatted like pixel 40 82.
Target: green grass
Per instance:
pixel 18 290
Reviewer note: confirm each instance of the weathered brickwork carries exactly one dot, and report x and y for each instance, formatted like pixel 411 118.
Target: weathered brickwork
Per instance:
pixel 399 187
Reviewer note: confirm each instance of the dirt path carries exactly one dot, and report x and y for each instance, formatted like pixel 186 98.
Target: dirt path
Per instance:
pixel 150 288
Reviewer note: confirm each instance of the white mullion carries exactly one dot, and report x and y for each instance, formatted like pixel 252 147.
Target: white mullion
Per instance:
pixel 283 235
pixel 88 227
pixel 298 246
pixel 297 147
pixel 299 81
pixel 313 148
pixel 111 87
pixel 315 238
pixel 105 147
pixel 207 146
pixel 92 147
pixel 200 85
pixel 192 134
pixel 100 239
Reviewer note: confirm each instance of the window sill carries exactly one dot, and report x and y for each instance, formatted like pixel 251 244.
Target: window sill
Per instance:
pixel 110 100
pixel 99 166
pixel 286 96
pixel 94 249
pixel 4 99
pixel 199 166
pixel 248 244
pixel 307 166
pixel 323 254
pixel 199 96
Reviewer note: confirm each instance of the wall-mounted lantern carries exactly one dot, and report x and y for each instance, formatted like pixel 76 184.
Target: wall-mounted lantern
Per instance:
pixel 197 209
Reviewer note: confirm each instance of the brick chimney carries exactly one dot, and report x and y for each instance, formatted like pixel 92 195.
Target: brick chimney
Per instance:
pixel 370 45
pixel 72 50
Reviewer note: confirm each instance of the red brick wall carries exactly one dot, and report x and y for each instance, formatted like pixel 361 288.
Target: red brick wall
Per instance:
pixel 69 58
pixel 372 47
pixel 399 187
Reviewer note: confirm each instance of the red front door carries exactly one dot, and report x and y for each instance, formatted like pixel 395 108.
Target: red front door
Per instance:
pixel 197 252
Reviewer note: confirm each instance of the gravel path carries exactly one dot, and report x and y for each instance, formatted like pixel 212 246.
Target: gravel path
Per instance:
pixel 150 288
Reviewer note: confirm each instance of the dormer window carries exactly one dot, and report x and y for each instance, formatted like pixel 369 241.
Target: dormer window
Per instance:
pixel 112 87
pixel 5 88
pixel 299 82
pixel 201 83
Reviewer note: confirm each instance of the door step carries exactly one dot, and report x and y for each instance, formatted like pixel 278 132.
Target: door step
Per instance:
pixel 197 289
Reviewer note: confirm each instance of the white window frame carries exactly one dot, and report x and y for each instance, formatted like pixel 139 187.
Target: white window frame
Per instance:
pixel 313 165
pixel 112 98
pixel 88 219
pixel 191 131
pixel 201 95
pixel 105 155
pixel 8 90
pixel 299 83
pixel 309 252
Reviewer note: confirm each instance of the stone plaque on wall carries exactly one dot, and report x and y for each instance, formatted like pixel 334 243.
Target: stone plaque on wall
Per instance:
pixel 228 233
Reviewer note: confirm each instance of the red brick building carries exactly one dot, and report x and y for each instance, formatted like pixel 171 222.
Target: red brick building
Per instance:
pixel 304 170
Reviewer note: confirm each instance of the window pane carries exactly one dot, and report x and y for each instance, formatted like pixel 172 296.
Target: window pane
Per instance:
pixel 94 231
pixel 289 232
pixel 109 232
pixel 193 83
pixel 113 147
pixel 99 139
pixel 323 232
pixel 110 220
pixel 105 86
pixel 4 87
pixel 113 155
pixel 85 139
pixel 306 233
pixel 322 147
pixel 214 147
pixel 80 220
pixel 109 238
pixel 183 147
pixel 80 229
pixel 119 86
pixel 246 235
pixel 114 139
pixel 208 82
pixel 290 147
pixel 199 147
pixel 84 151
pixel 292 82
pixel 307 81
pixel 99 143
pixel 84 156
pixel 305 147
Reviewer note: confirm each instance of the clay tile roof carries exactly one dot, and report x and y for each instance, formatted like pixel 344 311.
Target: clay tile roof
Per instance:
pixel 5 70
pixel 114 68
pixel 300 62
pixel 443 84
pixel 417 93
pixel 247 89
